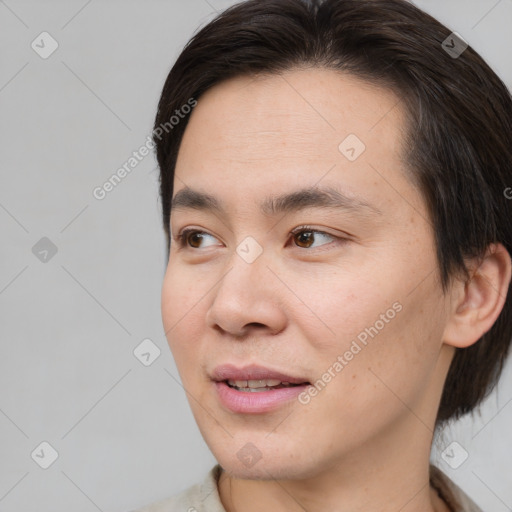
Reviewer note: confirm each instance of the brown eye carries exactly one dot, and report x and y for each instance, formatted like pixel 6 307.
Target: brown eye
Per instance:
pixel 304 239
pixel 307 238
pixel 194 238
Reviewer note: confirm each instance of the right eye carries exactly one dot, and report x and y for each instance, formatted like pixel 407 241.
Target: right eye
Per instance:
pixel 192 238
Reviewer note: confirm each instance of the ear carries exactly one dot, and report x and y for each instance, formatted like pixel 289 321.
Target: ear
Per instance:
pixel 477 303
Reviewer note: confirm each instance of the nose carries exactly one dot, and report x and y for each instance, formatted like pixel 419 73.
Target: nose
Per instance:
pixel 248 298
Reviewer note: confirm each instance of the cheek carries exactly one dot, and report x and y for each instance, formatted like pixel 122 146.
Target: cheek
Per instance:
pixel 333 307
pixel 181 306
pixel 396 359
pixel 378 320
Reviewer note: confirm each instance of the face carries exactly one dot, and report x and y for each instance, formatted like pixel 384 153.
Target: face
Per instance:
pixel 317 262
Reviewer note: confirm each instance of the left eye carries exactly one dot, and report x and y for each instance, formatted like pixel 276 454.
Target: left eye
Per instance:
pixel 306 237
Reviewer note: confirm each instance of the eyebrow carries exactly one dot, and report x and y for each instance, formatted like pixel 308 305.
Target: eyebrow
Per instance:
pixel 325 197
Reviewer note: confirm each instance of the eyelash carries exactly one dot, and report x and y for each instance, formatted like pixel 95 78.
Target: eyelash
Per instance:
pixel 181 237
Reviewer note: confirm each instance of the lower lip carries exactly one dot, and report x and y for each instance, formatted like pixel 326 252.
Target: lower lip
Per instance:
pixel 256 401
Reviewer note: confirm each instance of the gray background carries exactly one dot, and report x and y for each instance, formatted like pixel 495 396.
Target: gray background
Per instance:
pixel 123 431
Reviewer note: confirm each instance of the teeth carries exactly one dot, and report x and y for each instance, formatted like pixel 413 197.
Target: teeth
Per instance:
pixel 253 384
pixel 267 383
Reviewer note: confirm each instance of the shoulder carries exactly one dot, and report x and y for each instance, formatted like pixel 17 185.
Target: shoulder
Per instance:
pixel 200 497
pixel 453 495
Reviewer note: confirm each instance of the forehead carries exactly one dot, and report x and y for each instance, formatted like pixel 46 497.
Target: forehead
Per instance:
pixel 316 104
pixel 302 126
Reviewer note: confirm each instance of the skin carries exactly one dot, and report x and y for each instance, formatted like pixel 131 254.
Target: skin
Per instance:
pixel 365 439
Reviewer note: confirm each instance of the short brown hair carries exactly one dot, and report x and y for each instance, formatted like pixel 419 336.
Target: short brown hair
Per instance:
pixel 459 138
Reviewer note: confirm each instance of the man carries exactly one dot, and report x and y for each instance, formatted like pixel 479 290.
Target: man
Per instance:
pixel 339 251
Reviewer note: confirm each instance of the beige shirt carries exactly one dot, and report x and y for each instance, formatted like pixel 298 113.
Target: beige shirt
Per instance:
pixel 204 496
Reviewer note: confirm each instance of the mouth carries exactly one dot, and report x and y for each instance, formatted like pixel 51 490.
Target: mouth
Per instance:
pixel 254 376
pixel 255 389
pixel 257 386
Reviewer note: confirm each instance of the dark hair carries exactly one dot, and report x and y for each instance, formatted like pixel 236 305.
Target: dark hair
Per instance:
pixel 458 145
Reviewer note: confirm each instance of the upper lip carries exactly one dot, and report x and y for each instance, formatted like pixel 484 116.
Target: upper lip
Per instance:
pixel 252 372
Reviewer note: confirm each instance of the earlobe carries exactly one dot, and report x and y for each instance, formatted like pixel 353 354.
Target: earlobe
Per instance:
pixel 480 300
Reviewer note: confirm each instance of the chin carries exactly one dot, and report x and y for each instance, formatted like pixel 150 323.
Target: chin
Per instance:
pixel 273 470
pixel 274 467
